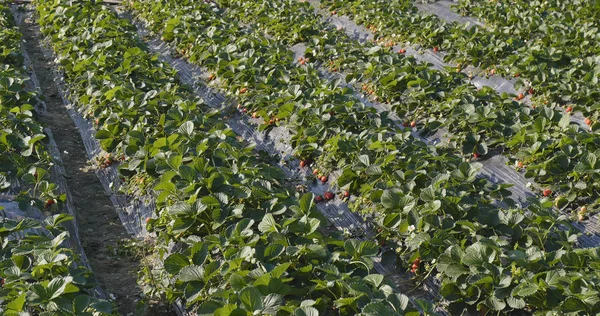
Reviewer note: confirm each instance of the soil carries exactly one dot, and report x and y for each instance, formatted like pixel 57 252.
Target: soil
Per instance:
pixel 99 225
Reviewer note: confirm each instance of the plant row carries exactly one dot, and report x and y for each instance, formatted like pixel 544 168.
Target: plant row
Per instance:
pixel 541 140
pixel 432 209
pixel 246 242
pixel 38 273
pixel 551 44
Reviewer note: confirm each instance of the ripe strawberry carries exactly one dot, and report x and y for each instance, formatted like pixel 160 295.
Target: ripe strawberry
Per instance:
pixel 436 49
pixel 413 124
pixel 405 124
pixel 587 121
pixel 547 192
pixel 2 282
pixel 97 121
pixel 243 90
pixel 521 96
pixel 49 203
pixel 530 91
pixel 245 110
pixel 517 75
pixel 569 109
pixel 271 121
pixel 346 194
pixel 318 199
pixel 148 220
pixel 333 12
pixel 303 163
pixel 402 51
pixel 520 164
pixel 476 155
pixel 211 77
pixel 329 196
pixel 35 175
pixel 316 171
pixel 324 179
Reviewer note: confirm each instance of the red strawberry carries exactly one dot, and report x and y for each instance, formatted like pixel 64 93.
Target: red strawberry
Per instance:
pixel 318 199
pixel 435 49
pixel 588 121
pixel 530 91
pixel 346 194
pixel 476 155
pixel 569 109
pixel 405 124
pixel 243 90
pixel 547 192
pixel 211 77
pixel 517 75
pixel 521 96
pixel 303 163
pixel 329 196
pixel 520 164
pixel 245 110
pixel 49 203
pixel 413 124
pixel 316 171
pixel 148 220
pixel 324 179
pixel 333 12
pixel 402 51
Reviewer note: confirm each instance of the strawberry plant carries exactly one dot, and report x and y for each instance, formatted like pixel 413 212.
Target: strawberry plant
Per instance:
pixel 437 204
pixel 39 274
pixel 247 243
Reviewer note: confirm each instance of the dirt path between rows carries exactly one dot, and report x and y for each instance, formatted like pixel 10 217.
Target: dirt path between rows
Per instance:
pixel 99 225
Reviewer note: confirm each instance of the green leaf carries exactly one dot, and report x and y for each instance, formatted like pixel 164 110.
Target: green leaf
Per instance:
pixel 251 298
pixel 525 289
pixel 272 303
pixel 187 129
pixel 306 311
pixel 16 304
pixel 191 273
pixel 175 262
pixel 268 224
pixel 495 303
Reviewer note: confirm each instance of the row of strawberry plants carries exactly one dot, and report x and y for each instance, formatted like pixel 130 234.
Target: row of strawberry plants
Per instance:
pixel 515 41
pixel 433 98
pixel 246 242
pixel 559 54
pixel 38 274
pixel 442 222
